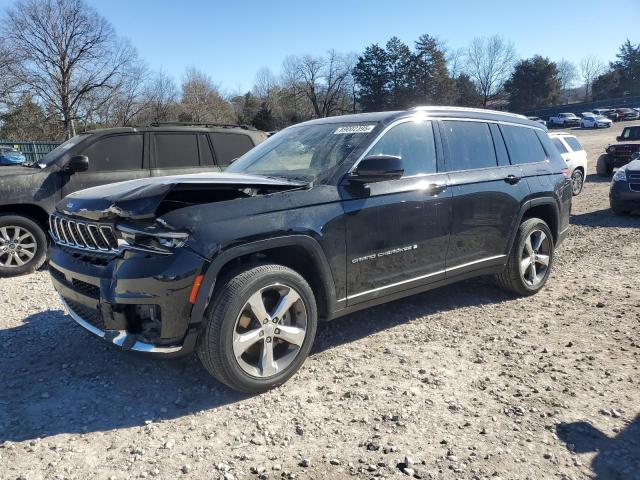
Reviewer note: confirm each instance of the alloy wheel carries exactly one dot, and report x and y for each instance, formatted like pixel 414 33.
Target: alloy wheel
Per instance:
pixel 577 180
pixel 270 330
pixel 17 246
pixel 535 257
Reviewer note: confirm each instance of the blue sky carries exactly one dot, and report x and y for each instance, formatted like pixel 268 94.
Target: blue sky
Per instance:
pixel 231 40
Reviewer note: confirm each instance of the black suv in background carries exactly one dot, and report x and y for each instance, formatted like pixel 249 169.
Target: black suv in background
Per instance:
pixel 28 193
pixel 324 218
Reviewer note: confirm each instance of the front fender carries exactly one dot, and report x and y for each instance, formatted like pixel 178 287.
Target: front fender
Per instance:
pixel 223 257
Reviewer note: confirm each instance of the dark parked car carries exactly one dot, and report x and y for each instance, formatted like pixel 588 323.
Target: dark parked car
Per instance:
pixel 619 154
pixel 324 218
pixel 624 194
pixel 30 192
pixel 11 156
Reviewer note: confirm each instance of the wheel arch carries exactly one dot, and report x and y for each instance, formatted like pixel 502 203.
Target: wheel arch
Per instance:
pixel 301 253
pixel 35 212
pixel 544 208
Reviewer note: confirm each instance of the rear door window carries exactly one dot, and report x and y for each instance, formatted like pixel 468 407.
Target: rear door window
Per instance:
pixel 176 150
pixel 229 146
pixel 469 145
pixel 117 152
pixel 523 145
pixel 559 145
pixel 574 143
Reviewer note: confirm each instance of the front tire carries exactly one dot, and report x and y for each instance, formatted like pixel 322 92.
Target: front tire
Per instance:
pixel 577 182
pixel 530 259
pixel 604 166
pixel 260 328
pixel 23 245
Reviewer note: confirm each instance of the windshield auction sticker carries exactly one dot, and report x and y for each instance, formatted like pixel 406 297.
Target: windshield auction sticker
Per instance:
pixel 354 129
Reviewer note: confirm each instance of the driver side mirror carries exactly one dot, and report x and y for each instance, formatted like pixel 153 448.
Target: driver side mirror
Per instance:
pixel 619 138
pixel 77 163
pixel 377 168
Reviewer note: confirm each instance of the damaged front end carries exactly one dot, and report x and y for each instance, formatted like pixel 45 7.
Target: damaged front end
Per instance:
pixel 127 275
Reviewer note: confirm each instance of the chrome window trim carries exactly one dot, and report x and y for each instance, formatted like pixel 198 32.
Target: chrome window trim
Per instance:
pixel 421 277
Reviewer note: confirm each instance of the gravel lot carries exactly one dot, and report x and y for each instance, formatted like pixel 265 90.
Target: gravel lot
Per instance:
pixel 463 382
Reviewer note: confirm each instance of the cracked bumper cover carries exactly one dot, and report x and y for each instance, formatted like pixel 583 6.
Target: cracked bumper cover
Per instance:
pixel 104 298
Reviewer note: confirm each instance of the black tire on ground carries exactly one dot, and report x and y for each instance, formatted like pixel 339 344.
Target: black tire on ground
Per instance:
pixel 617 210
pixel 577 181
pixel 604 165
pixel 215 345
pixel 511 279
pixel 23 254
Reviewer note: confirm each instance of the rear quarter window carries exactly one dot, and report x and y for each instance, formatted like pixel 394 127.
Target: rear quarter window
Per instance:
pixel 523 145
pixel 574 143
pixel 229 146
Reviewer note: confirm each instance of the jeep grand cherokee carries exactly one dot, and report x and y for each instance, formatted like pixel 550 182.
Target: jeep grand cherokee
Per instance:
pixel 324 218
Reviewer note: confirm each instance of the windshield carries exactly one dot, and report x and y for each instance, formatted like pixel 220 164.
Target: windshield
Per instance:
pixel 60 150
pixel 305 151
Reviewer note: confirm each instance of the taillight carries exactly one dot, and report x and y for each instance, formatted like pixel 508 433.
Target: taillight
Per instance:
pixel 565 172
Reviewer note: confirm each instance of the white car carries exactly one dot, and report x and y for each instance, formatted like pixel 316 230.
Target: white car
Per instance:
pixel 575 156
pixel 595 121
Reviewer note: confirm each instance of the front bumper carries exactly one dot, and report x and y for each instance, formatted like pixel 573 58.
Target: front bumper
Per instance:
pixel 622 196
pixel 136 301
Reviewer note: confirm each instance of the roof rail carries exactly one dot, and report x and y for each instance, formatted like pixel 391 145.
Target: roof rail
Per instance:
pixel 423 108
pixel 197 124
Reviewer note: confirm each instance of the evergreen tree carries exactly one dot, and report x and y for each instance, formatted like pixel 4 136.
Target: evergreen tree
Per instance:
pixel 433 85
pixel 401 69
pixel 372 76
pixel 533 83
pixel 466 92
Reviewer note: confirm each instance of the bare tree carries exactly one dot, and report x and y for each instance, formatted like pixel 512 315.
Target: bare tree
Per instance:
pixel 67 51
pixel 8 82
pixel 324 81
pixel 590 68
pixel 567 76
pixel 456 62
pixel 161 97
pixel 201 100
pixel 489 62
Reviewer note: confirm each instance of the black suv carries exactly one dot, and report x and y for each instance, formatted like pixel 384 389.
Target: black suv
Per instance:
pixel 30 192
pixel 621 153
pixel 324 218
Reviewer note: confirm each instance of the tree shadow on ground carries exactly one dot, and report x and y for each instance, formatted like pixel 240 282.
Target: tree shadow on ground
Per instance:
pixel 57 378
pixel 617 458
pixel 606 218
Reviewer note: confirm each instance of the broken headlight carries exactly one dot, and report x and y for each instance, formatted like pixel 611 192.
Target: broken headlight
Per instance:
pixel 151 237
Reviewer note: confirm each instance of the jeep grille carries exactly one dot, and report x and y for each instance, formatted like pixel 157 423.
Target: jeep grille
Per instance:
pixel 84 235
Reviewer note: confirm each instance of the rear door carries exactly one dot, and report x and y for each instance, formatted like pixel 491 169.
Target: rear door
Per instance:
pixel 398 230
pixel 112 158
pixel 487 194
pixel 229 146
pixel 180 153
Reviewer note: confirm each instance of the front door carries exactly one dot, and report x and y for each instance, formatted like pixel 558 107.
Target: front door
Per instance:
pixel 112 158
pixel 397 230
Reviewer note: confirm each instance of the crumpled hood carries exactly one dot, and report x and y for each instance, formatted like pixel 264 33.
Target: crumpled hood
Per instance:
pixel 633 166
pixel 140 198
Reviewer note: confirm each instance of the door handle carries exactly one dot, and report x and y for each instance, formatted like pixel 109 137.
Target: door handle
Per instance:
pixel 436 188
pixel 512 179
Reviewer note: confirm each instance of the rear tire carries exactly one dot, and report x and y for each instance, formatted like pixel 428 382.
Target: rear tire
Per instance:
pixel 577 182
pixel 23 245
pixel 618 211
pixel 604 166
pixel 530 259
pixel 251 342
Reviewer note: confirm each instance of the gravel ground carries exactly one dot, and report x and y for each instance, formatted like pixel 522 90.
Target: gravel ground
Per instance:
pixel 463 382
